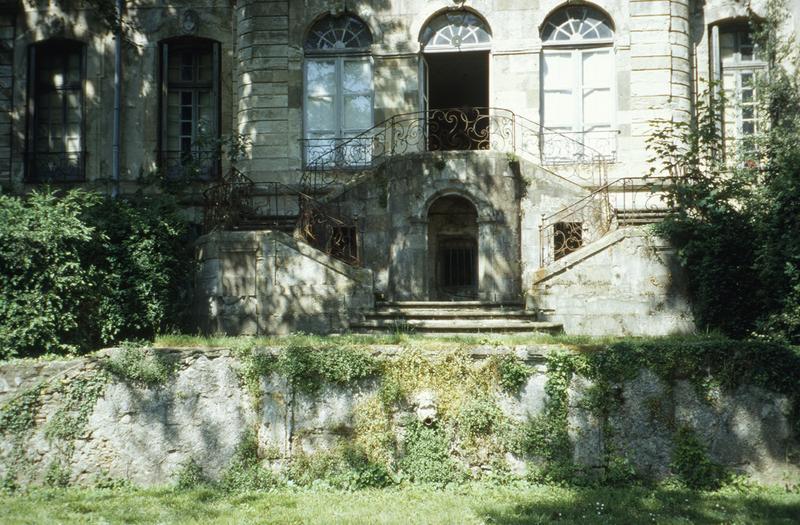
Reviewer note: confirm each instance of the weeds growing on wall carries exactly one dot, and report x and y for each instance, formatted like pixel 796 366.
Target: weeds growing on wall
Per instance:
pixel 427 458
pixel 471 429
pixel 77 395
pixel 470 436
pixel 134 363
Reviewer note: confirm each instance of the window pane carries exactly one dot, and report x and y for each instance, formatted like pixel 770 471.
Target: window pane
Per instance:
pixel 557 71
pixel 321 114
pixel 205 69
pixel 596 107
pixel 204 114
pixel 320 77
pixel 74 68
pixel 357 112
pixel 597 69
pixel 357 76
pixel 727 46
pixel 559 109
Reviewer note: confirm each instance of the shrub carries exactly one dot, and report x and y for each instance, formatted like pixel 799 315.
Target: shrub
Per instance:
pixel 144 255
pixel 134 363
pixel 735 220
pixel 79 270
pixel 427 456
pixel 45 287
pixel 691 464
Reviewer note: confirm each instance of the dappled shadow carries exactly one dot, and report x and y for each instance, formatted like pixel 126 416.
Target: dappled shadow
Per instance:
pixel 267 282
pixel 393 206
pixel 643 505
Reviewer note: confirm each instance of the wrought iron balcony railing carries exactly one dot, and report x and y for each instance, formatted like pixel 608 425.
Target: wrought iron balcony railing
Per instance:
pixel 457 129
pixel 55 167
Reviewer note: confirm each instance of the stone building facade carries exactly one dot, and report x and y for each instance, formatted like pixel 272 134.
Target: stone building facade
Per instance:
pixel 456 149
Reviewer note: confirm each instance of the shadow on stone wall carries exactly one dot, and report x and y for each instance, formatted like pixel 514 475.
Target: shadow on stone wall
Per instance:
pixel 145 434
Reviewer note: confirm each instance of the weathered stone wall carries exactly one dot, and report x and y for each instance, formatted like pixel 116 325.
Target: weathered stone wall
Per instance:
pixel 145 434
pixel 661 54
pixel 7 35
pixel 151 23
pixel 627 283
pixel 266 282
pixel 510 196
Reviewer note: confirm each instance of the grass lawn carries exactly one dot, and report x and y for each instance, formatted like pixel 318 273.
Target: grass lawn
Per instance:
pixel 409 505
pixel 404 339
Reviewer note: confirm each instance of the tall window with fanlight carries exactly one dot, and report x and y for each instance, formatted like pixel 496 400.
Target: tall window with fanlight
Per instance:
pixel 55 149
pixel 190 90
pixel 577 79
pixel 338 101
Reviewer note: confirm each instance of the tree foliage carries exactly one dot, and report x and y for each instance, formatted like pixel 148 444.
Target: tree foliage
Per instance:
pixel 736 214
pixel 80 270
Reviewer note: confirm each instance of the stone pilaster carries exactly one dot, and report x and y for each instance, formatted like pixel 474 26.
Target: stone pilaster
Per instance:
pixel 262 49
pixel 660 64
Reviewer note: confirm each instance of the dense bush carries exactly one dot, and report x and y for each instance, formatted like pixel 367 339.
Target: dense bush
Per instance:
pixel 736 219
pixel 80 270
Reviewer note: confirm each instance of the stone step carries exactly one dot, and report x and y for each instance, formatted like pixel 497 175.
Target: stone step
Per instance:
pixel 455 326
pixel 450 313
pixel 407 305
pixel 641 217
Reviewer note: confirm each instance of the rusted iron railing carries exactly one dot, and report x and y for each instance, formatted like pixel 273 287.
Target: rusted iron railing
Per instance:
pixel 238 203
pixel 623 202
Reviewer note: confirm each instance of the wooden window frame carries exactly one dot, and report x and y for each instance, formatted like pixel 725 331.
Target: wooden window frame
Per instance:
pixel 165 157
pixel 32 154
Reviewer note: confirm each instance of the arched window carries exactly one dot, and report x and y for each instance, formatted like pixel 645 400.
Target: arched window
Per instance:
pixel 577 77
pixel 338 83
pixel 190 107
pixel 55 145
pixel 456 31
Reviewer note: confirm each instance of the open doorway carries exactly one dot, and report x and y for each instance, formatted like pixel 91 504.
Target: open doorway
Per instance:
pixel 458 97
pixel 454 66
pixel 458 80
pixel 453 249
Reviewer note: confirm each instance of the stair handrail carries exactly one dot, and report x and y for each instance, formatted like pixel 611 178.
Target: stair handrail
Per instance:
pixel 236 198
pixel 568 235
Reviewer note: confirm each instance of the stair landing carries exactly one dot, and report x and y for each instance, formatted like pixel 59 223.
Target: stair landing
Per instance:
pixel 453 317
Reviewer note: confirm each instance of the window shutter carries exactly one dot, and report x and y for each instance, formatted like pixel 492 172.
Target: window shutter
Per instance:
pixel 164 104
pixel 215 87
pixel 29 169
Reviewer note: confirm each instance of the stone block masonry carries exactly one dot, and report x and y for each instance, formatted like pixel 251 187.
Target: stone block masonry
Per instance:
pixel 202 410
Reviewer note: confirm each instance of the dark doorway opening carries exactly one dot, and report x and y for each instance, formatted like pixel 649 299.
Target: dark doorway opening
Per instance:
pixel 458 95
pixel 457 258
pixel 453 249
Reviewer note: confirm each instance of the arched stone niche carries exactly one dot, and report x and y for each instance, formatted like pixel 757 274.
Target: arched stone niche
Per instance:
pixel 419 240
